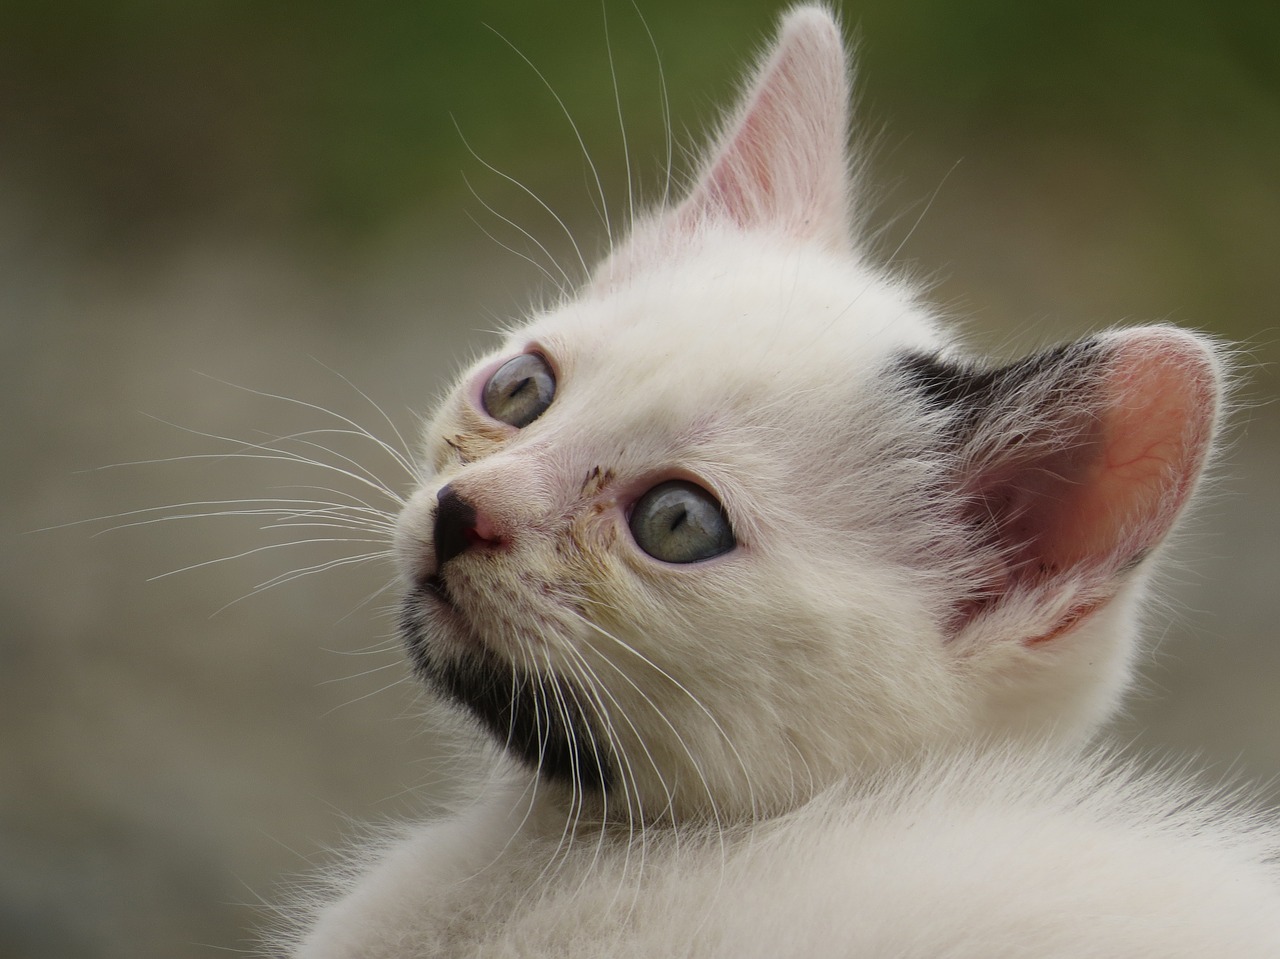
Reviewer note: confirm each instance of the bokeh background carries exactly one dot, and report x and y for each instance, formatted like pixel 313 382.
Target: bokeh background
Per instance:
pixel 285 197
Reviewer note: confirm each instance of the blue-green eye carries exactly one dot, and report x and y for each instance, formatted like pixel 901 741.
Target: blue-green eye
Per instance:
pixel 520 390
pixel 680 522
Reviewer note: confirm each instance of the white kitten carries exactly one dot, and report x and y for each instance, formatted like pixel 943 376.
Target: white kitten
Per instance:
pixel 792 620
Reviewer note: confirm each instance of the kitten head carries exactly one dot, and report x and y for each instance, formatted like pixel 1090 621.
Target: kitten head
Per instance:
pixel 739 520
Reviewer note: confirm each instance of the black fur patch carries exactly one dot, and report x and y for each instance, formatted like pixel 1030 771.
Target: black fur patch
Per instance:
pixel 536 718
pixel 973 391
pixel 1025 436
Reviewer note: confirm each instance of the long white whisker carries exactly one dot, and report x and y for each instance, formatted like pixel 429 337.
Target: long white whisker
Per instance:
pixel 261 509
pixel 716 817
pixel 630 784
pixel 391 644
pixel 387 645
pixel 308 521
pixel 280 578
pixel 581 682
pixel 397 664
pixel 368 695
pixel 359 467
pixel 586 154
pixel 405 463
pixel 622 125
pixel 260 549
pixel 402 454
pixel 531 790
pixel 582 260
pixel 920 219
pixel 355 504
pixel 290 576
pixel 682 688
pixel 563 284
pixel 654 764
pixel 925 212
pixel 263 453
pixel 564 844
pixel 666 107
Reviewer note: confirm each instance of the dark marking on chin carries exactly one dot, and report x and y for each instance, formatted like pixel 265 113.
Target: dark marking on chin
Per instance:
pixel 537 718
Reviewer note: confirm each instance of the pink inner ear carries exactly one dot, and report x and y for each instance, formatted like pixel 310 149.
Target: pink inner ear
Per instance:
pixel 782 165
pixel 1079 509
pixel 741 183
pixel 1157 417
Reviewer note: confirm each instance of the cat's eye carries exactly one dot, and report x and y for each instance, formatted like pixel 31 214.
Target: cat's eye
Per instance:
pixel 680 522
pixel 520 390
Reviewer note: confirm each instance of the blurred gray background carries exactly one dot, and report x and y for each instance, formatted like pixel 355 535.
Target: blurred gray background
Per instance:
pixel 277 196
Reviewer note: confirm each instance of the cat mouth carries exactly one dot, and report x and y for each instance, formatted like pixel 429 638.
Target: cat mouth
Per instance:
pixel 430 618
pixel 437 601
pixel 436 587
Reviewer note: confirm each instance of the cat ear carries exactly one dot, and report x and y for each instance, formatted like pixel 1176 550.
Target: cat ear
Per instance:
pixel 1074 464
pixel 781 162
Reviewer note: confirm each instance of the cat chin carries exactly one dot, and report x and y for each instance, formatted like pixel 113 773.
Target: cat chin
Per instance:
pixel 534 715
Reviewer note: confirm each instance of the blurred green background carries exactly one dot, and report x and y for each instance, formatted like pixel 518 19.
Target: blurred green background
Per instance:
pixel 284 196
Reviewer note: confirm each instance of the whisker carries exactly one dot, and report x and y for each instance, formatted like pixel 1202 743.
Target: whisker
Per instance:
pixel 577 797
pixel 277 507
pixel 405 463
pixel 716 818
pixel 582 145
pixel 356 464
pixel 678 685
pixel 280 578
pixel 259 549
pixel 264 454
pixel 306 522
pixel 289 577
pixel 591 682
pixel 582 260
pixel 404 453
pixel 368 672
pixel 533 783
pixel 657 768
pixel 893 256
pixel 356 502
pixel 392 644
pixel 563 284
pixel 369 695
pixel 579 681
pixel 665 109
pixel 622 125
pixel 925 212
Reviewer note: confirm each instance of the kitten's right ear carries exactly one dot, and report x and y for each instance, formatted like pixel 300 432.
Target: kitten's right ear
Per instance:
pixel 781 163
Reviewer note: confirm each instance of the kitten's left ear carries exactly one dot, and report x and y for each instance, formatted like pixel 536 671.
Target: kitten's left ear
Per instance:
pixel 781 163
pixel 1072 465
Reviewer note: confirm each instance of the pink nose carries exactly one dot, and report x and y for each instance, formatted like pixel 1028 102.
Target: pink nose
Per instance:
pixel 459 526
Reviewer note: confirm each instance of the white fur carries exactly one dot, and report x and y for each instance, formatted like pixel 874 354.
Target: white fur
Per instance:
pixel 858 733
pixel 971 857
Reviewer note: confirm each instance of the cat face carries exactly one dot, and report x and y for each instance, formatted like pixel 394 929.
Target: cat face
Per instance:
pixel 737 522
